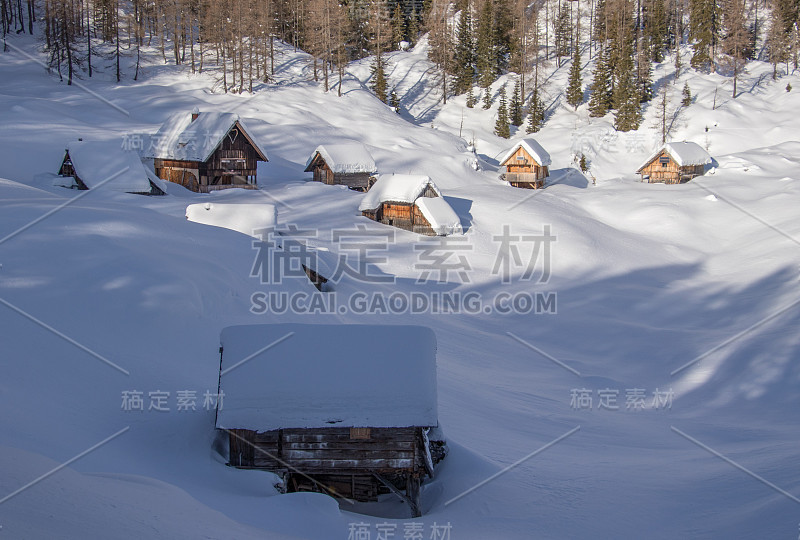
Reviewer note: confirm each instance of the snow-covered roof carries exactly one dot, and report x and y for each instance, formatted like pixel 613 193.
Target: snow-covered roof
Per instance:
pixel 400 188
pixel 182 138
pixel 277 376
pixel 533 148
pixel 440 215
pixel 245 218
pixel 684 153
pixel 345 157
pixel 106 165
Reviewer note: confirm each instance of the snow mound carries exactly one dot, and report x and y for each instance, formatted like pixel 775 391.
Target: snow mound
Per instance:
pixel 241 217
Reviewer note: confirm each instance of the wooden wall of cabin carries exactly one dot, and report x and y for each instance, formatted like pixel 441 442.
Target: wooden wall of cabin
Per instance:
pixel 420 224
pixel 397 215
pixel 234 146
pixel 669 172
pixel 185 173
pixel 329 450
pixel 521 162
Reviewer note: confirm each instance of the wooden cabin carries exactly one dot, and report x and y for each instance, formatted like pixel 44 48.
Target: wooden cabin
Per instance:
pixel 347 410
pixel 675 163
pixel 410 202
pixel 105 165
pixel 346 163
pixel 206 152
pixel 526 165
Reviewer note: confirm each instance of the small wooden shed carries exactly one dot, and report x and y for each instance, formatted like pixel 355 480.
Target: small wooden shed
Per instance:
pixel 410 202
pixel 206 152
pixel 675 163
pixel 105 165
pixel 347 410
pixel 527 165
pixel 344 163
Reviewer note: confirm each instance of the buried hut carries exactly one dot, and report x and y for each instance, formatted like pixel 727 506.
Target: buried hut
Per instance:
pixel 346 163
pixel 106 165
pixel 675 163
pixel 527 165
pixel 315 405
pixel 206 152
pixel 410 202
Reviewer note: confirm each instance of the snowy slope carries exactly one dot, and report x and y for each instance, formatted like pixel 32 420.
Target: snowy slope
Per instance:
pixel 648 278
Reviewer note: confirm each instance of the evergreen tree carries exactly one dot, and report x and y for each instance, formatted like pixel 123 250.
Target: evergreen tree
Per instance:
pixel 687 95
pixel 470 97
pixel 704 31
pixel 394 102
pixel 644 82
pixel 600 100
pixel 502 127
pixel 464 57
pixel 656 29
pixel 626 99
pixel 574 88
pixel 487 98
pixel 582 164
pixel 484 46
pixel 380 84
pixel 562 31
pixel 515 111
pixel 536 112
pixel 412 31
pixel 398 26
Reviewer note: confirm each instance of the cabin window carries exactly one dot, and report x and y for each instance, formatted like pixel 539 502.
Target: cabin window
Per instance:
pixel 359 433
pixel 520 158
pixel 232 163
pixel 664 160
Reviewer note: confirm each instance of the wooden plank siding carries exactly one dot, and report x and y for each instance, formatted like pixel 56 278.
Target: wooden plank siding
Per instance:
pixel 339 461
pixel 668 171
pixel 327 450
pixel 403 216
pixel 523 171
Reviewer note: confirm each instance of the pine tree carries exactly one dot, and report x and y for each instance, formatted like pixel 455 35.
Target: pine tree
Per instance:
pixel 536 112
pixel 644 82
pixel 656 29
pixel 574 88
pixel 515 111
pixel 626 99
pixel 600 100
pixel 582 164
pixel 412 31
pixel 484 46
pixel 502 127
pixel 687 95
pixel 471 101
pixel 398 25
pixel 464 57
pixel 563 32
pixel 380 84
pixel 487 98
pixel 394 102
pixel 704 30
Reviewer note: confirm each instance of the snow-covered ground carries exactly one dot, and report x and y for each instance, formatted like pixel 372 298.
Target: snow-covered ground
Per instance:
pixel 685 296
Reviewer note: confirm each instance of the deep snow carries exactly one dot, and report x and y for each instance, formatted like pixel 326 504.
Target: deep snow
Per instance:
pixel 648 278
